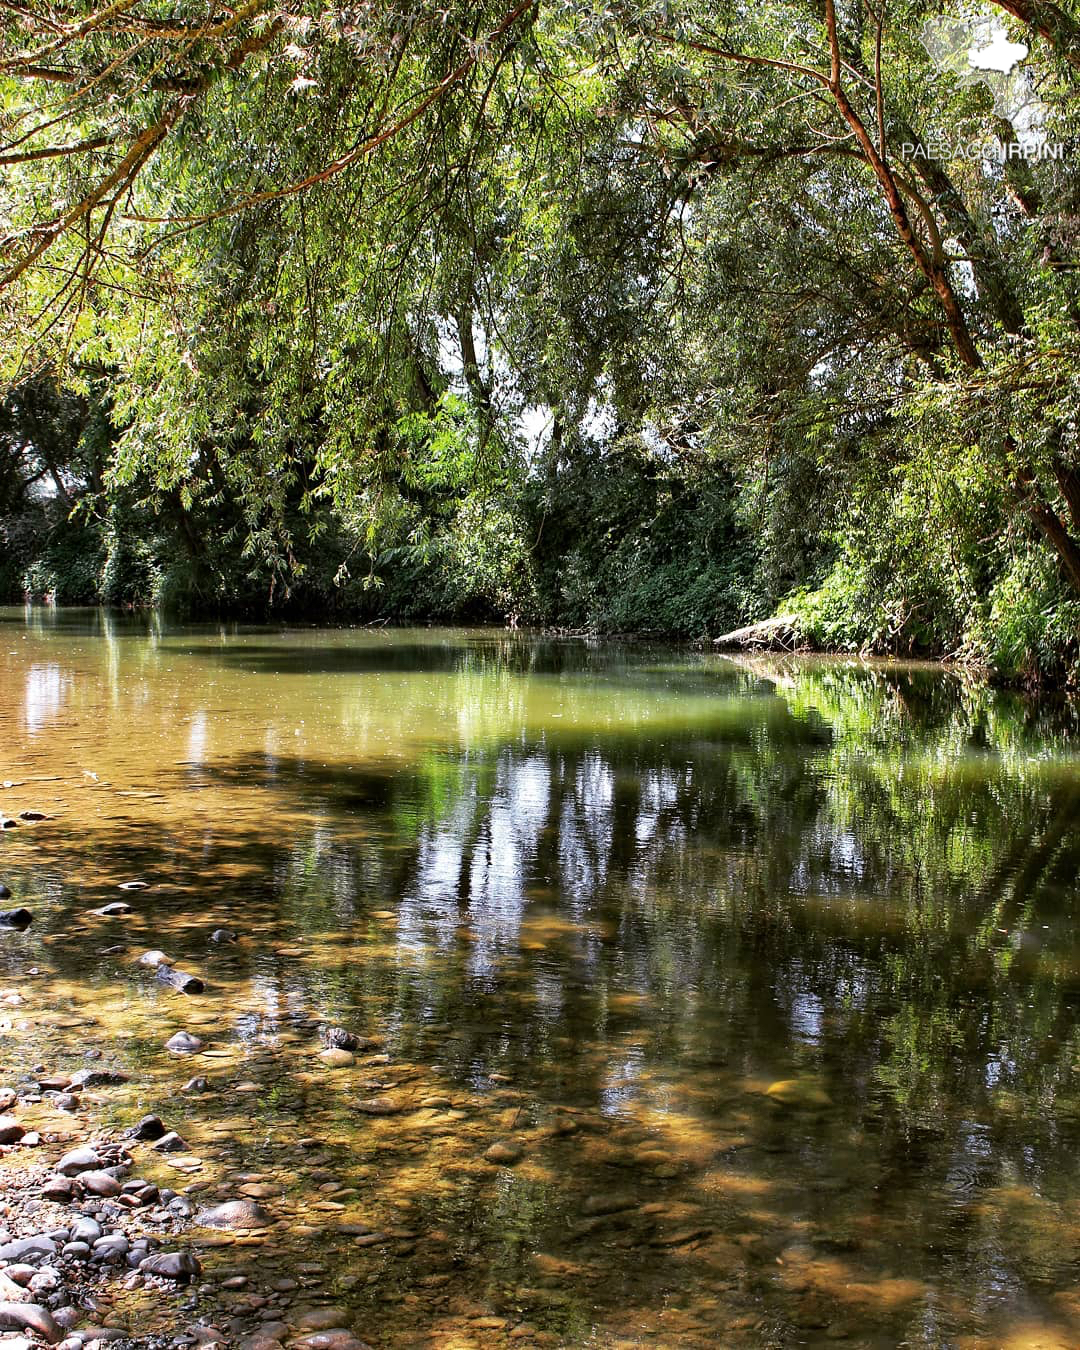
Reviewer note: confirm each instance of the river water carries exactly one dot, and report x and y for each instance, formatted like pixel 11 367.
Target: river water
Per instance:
pixel 768 970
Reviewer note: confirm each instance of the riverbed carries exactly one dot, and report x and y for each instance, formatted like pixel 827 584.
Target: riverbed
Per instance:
pixel 694 1001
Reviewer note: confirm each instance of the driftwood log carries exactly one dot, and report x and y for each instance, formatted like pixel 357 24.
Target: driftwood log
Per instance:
pixel 782 631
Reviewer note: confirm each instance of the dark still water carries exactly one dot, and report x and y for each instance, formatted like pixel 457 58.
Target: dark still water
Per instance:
pixel 766 973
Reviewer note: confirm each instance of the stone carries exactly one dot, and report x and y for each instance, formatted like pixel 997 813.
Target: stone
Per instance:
pixel 184 1043
pixel 196 1084
pixel 223 935
pixel 85 1229
pixel 339 1038
pixel 97 1078
pixel 803 1093
pixel 10 1130
pixel 150 1127
pixel 378 1106
pixel 134 885
pixel 180 1266
pixel 100 1183
pixel 33 815
pixel 25 1249
pixel 59 1189
pixel 169 1143
pixel 8 1098
pixel 116 910
pixel 337 1059
pixel 506 1152
pixel 16 918
pixel 155 958
pixel 234 1214
pixel 83 1159
pixel 5 894
pixel 319 1319
pixel 30 1317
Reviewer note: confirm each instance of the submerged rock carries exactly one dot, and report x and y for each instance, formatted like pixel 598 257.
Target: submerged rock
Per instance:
pixel 338 1038
pixel 337 1059
pixel 97 1078
pixel 799 1092
pixel 505 1153
pixel 234 1214
pixel 223 935
pixel 182 980
pixel 378 1106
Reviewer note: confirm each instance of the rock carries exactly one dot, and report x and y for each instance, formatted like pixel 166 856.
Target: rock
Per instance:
pixel 10 1130
pixel 318 1319
pixel 378 1106
pixel 83 1159
pixel 45 1281
pixel 116 910
pixel 612 1203
pixel 223 935
pixel 804 1093
pixel 196 1084
pixel 5 894
pixel 184 1043
pixel 154 958
pixel 59 1189
pixel 180 1266
pixel 150 1127
pixel 169 1143
pixel 97 1078
pixel 505 1153
pixel 33 815
pixel 234 1214
pixel 85 1229
pixel 338 1038
pixel 15 918
pixel 134 885
pixel 30 1317
pixel 8 1098
pixel 181 980
pixel 66 1101
pixel 100 1183
pixel 24 1249
pixel 337 1059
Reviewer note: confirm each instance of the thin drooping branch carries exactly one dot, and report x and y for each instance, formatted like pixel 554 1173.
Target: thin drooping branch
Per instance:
pixel 56 151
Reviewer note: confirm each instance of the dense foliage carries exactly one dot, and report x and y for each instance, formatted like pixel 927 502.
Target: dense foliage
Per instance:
pixel 630 316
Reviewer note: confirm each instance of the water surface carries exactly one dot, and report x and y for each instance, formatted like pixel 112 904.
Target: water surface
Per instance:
pixel 770 969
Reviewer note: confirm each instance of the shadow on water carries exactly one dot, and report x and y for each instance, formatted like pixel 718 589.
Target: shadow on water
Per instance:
pixel 780 1007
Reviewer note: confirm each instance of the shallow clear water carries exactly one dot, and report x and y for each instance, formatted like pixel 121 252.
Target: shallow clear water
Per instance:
pixel 770 968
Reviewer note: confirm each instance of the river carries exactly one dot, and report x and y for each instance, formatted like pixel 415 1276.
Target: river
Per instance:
pixel 764 973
